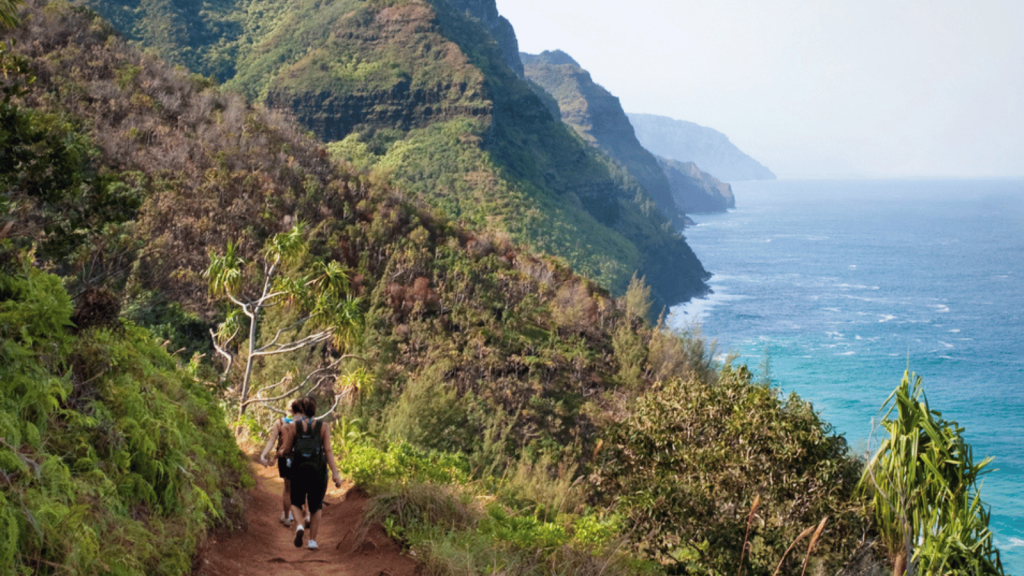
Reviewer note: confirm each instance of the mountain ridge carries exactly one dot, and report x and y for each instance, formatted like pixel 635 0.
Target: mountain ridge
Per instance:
pixel 422 93
pixel 597 116
pixel 685 141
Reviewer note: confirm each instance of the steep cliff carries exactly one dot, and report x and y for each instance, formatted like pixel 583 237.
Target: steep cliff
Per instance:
pixel 706 147
pixel 597 116
pixel 486 11
pixel 697 192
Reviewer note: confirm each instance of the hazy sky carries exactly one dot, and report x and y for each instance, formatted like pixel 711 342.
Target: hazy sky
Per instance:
pixel 898 88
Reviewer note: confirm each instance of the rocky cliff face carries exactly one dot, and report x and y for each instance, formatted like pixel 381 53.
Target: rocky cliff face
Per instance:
pixel 697 192
pixel 332 115
pixel 688 142
pixel 597 116
pixel 486 11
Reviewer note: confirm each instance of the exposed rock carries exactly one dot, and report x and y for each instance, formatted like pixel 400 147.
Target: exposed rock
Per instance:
pixel 332 115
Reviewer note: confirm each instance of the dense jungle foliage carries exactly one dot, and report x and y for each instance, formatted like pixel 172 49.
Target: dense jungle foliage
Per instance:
pixel 509 414
pixel 421 93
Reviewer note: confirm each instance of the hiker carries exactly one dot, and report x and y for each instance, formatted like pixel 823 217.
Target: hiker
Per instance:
pixel 283 464
pixel 308 442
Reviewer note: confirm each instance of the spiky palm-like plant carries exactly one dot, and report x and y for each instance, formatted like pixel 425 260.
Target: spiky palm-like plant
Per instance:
pixel 923 485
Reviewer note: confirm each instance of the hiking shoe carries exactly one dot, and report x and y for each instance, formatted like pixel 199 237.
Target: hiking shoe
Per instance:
pixel 298 536
pixel 307 522
pixel 312 545
pixel 286 520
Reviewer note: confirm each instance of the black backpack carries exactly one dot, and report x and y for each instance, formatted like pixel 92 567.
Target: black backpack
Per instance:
pixel 308 451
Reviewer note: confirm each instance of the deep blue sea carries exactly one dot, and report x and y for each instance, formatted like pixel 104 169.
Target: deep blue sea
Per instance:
pixel 841 282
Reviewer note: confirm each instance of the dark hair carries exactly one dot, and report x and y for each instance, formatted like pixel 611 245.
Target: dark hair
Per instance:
pixel 297 406
pixel 309 406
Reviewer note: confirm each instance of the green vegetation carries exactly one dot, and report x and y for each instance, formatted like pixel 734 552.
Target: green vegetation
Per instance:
pixel 508 414
pixel 923 483
pixel 689 461
pixel 420 93
pixel 113 458
pixel 8 13
pixel 326 311
pixel 596 115
pixel 521 523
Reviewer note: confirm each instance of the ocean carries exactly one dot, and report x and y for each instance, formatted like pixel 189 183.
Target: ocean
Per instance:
pixel 841 284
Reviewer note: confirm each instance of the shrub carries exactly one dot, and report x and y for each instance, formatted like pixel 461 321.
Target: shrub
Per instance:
pixel 113 458
pixel 686 463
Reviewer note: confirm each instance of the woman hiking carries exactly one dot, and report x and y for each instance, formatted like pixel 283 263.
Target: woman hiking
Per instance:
pixel 283 468
pixel 308 442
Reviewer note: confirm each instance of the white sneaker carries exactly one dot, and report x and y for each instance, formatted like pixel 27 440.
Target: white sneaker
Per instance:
pixel 298 536
pixel 312 545
pixel 286 520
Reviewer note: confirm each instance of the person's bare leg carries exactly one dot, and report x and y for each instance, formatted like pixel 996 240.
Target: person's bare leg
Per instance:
pixel 314 525
pixel 297 513
pixel 286 497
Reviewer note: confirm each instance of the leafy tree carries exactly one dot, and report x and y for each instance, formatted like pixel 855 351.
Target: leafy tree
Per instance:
pixel 923 485
pixel 321 298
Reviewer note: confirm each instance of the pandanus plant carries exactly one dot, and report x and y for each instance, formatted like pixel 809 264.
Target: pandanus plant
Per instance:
pixel 923 486
pixel 320 291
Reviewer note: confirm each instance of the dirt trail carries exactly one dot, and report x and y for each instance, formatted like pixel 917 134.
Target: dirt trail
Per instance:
pixel 265 547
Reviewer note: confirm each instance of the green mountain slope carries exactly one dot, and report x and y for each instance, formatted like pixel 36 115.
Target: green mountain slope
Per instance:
pixel 596 115
pixel 421 92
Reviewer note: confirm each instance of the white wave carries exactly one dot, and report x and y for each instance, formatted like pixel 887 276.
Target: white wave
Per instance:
pixel 856 287
pixel 887 318
pixel 946 344
pixel 1014 543
pixel 851 267
pixel 954 331
pixel 940 308
pixel 682 315
pixel 850 353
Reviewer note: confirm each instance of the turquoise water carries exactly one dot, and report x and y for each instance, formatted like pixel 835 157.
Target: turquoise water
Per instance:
pixel 840 282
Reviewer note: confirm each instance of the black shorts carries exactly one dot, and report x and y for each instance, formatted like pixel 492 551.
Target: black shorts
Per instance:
pixel 309 484
pixel 282 467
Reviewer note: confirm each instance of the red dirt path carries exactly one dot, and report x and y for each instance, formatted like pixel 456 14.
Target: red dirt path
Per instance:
pixel 264 547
